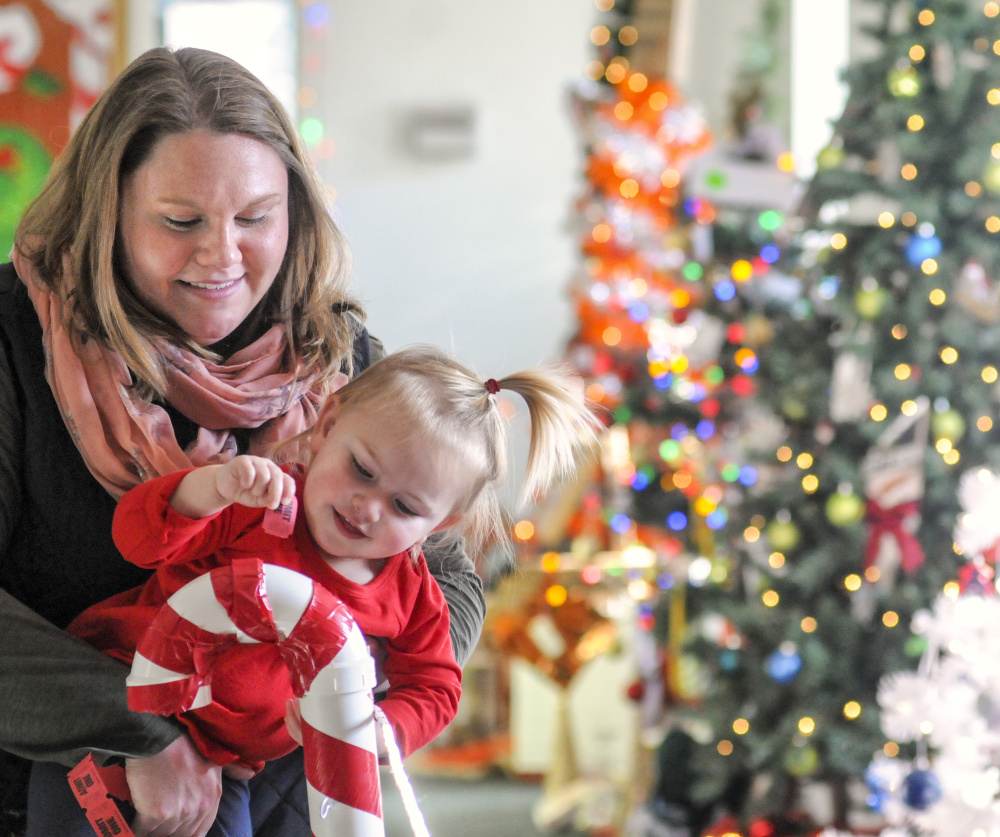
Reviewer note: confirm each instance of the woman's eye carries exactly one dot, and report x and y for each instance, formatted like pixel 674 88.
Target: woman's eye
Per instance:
pixel 361 470
pixel 178 224
pixel 252 222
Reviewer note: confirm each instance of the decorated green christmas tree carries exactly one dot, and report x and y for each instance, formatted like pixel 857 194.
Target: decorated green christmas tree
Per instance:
pixel 881 371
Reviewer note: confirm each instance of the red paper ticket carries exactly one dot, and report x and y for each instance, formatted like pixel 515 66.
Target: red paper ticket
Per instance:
pixel 93 787
pixel 280 522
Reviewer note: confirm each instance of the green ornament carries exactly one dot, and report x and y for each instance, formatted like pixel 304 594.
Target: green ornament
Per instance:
pixel 904 83
pixel 802 761
pixel 948 424
pixel 869 302
pixel 793 408
pixel 830 157
pixel 915 646
pixel 783 535
pixel 844 509
pixel 691 678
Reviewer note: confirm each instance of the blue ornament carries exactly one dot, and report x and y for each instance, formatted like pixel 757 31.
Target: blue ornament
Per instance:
pixel 879 782
pixel 921 789
pixel 921 247
pixel 729 660
pixel 876 778
pixel 877 800
pixel 784 664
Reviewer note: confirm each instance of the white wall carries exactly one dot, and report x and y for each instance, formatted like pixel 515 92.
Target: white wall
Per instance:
pixel 469 254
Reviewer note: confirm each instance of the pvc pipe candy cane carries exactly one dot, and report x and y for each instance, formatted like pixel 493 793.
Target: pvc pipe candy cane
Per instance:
pixel 328 660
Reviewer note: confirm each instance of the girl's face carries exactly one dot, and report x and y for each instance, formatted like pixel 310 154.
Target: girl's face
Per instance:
pixel 372 490
pixel 204 229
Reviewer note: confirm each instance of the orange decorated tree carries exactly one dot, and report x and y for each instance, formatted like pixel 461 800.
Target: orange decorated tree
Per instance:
pixel 631 534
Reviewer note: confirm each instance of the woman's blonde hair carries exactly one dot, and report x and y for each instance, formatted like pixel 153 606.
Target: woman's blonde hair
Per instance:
pixel 72 227
pixel 443 402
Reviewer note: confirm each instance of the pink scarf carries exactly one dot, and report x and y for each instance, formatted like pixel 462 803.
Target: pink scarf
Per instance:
pixel 124 440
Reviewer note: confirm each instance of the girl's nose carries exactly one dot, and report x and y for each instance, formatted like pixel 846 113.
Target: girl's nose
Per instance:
pixel 366 508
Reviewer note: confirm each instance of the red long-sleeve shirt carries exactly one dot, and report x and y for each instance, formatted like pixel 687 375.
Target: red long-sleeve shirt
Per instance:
pixel 244 724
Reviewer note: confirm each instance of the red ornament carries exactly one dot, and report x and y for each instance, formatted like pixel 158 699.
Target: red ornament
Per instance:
pixel 710 407
pixel 603 363
pixel 742 385
pixel 735 333
pixel 636 691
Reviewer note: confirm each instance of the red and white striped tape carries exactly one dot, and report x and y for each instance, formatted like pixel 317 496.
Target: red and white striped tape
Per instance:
pixel 330 666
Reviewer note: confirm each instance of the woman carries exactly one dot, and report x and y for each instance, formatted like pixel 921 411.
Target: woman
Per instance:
pixel 179 296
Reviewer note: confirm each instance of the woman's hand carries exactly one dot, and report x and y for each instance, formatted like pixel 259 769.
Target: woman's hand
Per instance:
pixel 175 793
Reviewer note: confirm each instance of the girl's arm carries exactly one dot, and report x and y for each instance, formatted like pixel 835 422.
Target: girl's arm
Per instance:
pixel 182 517
pixel 425 681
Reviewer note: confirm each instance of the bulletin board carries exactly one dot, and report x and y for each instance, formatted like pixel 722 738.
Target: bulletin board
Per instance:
pixel 56 56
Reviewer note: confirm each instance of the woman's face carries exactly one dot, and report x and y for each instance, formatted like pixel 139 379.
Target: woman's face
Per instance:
pixel 204 228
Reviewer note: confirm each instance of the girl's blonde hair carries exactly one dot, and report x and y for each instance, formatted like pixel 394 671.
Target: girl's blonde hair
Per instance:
pixel 444 402
pixel 70 232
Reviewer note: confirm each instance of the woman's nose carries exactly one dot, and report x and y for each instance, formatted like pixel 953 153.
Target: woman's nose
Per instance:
pixel 220 247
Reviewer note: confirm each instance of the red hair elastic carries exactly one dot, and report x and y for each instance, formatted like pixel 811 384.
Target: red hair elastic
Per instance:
pixel 493 386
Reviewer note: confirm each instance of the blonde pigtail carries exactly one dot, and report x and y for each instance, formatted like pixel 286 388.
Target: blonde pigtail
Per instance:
pixel 563 424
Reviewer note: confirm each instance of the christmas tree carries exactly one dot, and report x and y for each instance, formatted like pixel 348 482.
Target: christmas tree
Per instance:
pixel 881 371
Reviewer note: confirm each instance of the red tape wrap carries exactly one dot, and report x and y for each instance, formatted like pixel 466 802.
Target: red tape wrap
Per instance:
pixel 176 644
pixel 240 588
pixel 342 771
pixel 316 639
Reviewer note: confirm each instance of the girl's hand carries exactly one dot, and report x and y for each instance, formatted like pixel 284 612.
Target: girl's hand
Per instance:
pixel 175 793
pixel 254 481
